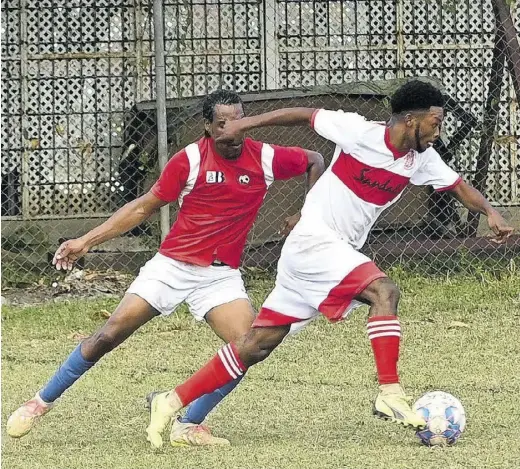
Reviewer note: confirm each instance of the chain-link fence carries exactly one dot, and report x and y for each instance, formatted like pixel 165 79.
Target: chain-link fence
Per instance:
pixel 95 98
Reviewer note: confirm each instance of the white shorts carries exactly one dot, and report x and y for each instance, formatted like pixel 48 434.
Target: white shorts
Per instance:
pixel 316 274
pixel 165 283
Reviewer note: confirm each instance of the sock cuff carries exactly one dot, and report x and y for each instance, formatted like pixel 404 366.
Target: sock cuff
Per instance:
pixel 383 318
pixel 240 363
pixel 229 357
pixel 383 326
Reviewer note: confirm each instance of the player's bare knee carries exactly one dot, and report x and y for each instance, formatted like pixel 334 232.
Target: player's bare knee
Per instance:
pixel 257 353
pixel 239 331
pixel 100 343
pixel 389 294
pixel 251 351
pixel 258 344
pixel 384 294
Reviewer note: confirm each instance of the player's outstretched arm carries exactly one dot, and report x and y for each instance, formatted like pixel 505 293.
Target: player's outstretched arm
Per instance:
pixel 315 168
pixel 127 217
pixel 281 117
pixel 473 200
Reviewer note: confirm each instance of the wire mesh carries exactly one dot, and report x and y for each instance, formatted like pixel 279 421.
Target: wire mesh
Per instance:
pixel 79 128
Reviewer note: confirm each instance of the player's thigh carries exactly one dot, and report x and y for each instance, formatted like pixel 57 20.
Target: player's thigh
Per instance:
pixel 231 320
pixel 165 283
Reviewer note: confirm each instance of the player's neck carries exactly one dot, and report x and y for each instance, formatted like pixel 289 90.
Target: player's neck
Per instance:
pixel 397 136
pixel 215 151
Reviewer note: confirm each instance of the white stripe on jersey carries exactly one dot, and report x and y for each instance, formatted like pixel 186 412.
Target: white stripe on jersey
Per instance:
pixel 193 153
pixel 267 163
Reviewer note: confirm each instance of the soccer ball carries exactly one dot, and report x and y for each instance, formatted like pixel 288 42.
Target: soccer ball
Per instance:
pixel 445 418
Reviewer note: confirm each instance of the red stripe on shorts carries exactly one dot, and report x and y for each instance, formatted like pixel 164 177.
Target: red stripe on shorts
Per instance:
pixel 352 285
pixel 269 318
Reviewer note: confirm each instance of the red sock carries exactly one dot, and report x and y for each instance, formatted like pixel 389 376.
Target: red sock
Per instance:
pixel 224 367
pixel 384 333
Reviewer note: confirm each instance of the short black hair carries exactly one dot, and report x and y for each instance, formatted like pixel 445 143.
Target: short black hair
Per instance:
pixel 416 95
pixel 218 97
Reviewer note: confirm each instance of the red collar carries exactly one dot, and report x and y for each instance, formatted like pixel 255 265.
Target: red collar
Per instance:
pixel 395 151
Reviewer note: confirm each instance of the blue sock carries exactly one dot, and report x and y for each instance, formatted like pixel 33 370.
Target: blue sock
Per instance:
pixel 199 409
pixel 67 374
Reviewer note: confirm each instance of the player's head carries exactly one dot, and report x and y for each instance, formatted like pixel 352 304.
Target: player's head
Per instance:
pixel 217 108
pixel 419 105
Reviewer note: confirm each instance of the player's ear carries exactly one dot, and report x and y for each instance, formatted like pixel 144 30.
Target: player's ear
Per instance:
pixel 409 119
pixel 207 126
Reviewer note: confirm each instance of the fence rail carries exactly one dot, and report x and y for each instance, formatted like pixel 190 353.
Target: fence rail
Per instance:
pixel 96 97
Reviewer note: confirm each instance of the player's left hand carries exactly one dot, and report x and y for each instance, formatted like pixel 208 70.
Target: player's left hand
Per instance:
pixel 499 227
pixel 289 223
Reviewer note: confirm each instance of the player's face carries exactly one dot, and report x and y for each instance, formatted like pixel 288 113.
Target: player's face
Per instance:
pixel 425 128
pixel 222 114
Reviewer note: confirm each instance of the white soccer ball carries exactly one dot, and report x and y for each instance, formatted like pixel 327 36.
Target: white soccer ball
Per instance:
pixel 445 418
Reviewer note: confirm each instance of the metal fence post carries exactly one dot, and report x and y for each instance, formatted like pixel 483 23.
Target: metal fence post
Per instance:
pixel 270 46
pixel 160 102
pixel 23 109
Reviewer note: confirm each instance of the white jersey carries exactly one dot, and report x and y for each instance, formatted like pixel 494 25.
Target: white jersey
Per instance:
pixel 366 176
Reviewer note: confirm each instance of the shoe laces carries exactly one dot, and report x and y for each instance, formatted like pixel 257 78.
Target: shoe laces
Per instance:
pixel 200 429
pixel 198 434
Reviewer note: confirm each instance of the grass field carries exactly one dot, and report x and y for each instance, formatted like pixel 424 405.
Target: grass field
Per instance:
pixel 308 406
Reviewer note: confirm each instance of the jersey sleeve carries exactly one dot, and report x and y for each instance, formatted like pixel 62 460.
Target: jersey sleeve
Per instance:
pixel 173 178
pixel 435 172
pixel 340 127
pixel 288 162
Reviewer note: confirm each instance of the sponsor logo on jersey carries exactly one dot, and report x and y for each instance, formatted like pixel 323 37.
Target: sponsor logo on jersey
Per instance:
pixel 213 177
pixel 244 179
pixel 409 160
pixel 386 186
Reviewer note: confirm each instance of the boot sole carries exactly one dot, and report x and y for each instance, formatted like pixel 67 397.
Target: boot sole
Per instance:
pixel 388 418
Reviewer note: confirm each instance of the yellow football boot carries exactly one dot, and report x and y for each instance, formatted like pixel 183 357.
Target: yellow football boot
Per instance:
pixel 392 404
pixel 163 407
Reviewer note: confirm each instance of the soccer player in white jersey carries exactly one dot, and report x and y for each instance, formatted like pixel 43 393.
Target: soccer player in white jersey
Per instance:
pixel 220 188
pixel 320 269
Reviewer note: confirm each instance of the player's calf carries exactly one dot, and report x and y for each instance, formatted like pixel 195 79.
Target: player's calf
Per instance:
pixel 383 327
pixel 384 332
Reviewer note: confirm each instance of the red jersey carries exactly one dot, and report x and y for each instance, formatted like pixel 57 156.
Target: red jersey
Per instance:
pixel 218 198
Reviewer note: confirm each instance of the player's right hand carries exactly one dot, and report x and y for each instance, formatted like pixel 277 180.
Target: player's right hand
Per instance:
pixel 289 223
pixel 68 253
pixel 232 131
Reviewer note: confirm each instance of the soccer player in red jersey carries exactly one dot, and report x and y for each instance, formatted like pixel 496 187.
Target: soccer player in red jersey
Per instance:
pixel 220 188
pixel 320 269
